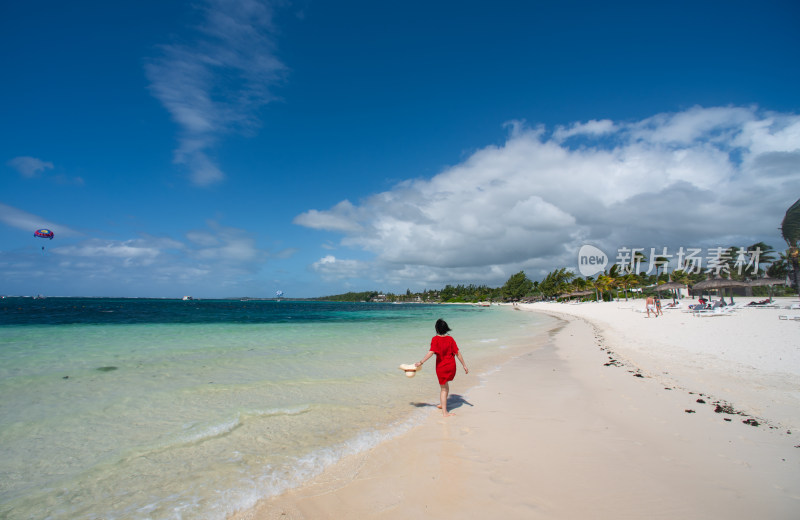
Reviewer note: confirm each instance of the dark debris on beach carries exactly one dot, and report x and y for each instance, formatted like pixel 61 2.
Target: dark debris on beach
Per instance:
pixel 722 407
pixel 719 406
pixel 725 408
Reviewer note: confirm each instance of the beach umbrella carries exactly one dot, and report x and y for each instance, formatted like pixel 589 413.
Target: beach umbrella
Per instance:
pixel 766 281
pixel 718 283
pixel 668 286
pixel 758 282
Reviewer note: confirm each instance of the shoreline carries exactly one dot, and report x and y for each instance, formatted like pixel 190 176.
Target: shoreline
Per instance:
pixel 558 432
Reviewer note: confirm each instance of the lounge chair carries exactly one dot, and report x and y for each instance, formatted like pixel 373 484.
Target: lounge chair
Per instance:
pixel 706 307
pixel 719 310
pixel 763 304
pixel 697 307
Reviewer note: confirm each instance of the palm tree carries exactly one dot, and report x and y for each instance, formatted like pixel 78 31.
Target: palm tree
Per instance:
pixel 603 284
pixel 766 254
pixel 790 230
pixel 631 280
pixel 615 283
pixel 556 282
pixel 637 260
pixel 680 276
pixel 730 256
pixel 625 282
pixel 779 268
pixel 659 262
pixel 580 284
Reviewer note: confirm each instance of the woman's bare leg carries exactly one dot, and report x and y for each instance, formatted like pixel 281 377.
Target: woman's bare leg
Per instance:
pixel 443 398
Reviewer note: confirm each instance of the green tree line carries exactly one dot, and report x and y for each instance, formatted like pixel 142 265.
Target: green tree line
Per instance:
pixel 615 282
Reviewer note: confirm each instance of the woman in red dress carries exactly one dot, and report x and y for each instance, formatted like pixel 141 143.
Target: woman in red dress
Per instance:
pixel 446 350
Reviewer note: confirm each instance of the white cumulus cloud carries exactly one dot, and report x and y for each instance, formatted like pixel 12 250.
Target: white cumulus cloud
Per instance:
pixel 704 176
pixel 331 268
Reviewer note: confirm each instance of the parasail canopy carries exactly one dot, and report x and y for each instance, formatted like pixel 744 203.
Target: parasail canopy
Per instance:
pixel 44 233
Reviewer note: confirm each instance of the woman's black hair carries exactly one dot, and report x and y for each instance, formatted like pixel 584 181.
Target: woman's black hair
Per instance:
pixel 441 327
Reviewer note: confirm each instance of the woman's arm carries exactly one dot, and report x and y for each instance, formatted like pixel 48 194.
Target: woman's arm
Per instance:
pixel 466 370
pixel 426 358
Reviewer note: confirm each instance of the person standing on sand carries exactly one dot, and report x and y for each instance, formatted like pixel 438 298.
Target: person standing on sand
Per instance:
pixel 659 312
pixel 446 350
pixel 650 303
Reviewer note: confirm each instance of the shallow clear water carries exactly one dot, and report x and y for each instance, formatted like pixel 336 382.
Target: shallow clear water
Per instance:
pixel 171 409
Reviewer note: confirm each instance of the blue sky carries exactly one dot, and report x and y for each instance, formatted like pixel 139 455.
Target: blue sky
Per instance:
pixel 238 147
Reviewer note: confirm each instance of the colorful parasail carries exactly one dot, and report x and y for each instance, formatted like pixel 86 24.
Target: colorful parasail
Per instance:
pixel 44 233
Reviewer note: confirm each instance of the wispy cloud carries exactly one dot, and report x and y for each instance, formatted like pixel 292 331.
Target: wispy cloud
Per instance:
pixel 592 128
pixel 19 219
pixel 224 244
pixel 29 166
pixel 128 252
pixel 32 168
pixel 215 82
pixel 717 176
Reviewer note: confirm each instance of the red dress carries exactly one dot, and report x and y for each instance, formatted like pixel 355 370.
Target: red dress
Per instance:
pixel 445 349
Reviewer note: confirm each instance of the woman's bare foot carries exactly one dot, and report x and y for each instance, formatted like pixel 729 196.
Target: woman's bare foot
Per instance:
pixel 447 414
pixel 439 406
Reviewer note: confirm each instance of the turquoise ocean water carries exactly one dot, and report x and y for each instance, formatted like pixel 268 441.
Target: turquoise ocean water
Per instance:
pixel 168 409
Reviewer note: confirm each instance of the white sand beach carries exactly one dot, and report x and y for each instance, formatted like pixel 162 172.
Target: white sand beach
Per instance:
pixel 749 357
pixel 619 416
